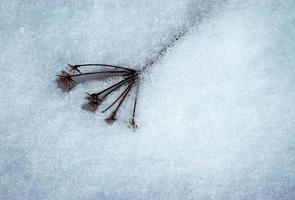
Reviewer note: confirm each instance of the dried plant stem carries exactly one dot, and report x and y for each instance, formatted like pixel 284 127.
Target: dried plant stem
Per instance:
pixel 132 122
pixel 120 103
pixel 103 65
pixel 101 72
pixel 112 117
pixel 109 92
pixel 126 90
pixel 115 86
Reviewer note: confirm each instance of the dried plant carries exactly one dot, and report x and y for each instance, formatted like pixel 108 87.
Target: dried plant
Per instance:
pixel 130 81
pixel 130 77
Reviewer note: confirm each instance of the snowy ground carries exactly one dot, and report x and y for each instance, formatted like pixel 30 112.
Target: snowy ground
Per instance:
pixel 216 114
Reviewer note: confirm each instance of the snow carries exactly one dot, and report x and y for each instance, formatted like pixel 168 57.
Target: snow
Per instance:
pixel 216 114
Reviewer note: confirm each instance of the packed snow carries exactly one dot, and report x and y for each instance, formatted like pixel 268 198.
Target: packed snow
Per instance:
pixel 216 114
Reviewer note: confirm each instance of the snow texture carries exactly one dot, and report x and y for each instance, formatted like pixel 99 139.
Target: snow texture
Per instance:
pixel 216 114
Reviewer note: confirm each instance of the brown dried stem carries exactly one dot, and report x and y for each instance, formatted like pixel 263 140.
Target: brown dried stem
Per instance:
pixel 132 121
pixel 112 117
pixel 95 99
pixel 126 90
pixel 75 67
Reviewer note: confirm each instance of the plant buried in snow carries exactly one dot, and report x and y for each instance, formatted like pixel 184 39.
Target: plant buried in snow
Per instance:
pixel 130 80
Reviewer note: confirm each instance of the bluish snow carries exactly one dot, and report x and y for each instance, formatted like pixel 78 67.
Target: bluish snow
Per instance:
pixel 216 114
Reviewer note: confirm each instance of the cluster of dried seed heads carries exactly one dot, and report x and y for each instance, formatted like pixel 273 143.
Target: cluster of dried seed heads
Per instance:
pixel 130 81
pixel 67 80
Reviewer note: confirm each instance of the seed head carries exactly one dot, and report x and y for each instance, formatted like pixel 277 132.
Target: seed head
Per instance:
pixel 93 99
pixel 133 124
pixel 74 69
pixel 110 119
pixel 66 80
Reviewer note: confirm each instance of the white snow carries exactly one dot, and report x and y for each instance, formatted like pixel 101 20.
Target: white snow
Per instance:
pixel 216 114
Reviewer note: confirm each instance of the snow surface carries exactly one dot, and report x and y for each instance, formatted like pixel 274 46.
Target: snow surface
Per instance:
pixel 216 114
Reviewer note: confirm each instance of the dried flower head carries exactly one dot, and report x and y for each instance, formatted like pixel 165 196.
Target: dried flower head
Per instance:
pixel 133 124
pixel 93 99
pixel 110 119
pixel 74 69
pixel 65 79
